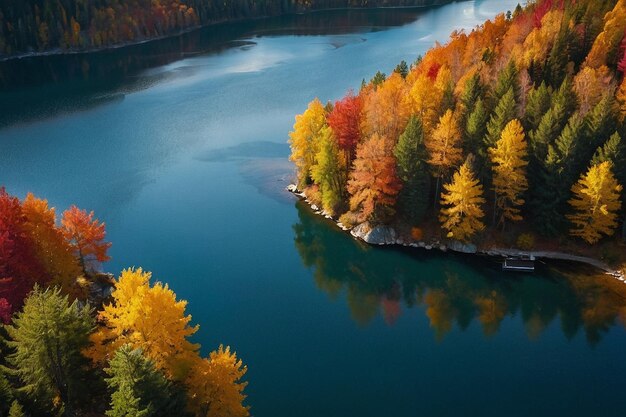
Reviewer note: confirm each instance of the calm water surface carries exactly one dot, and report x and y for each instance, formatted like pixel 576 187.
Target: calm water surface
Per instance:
pixel 179 145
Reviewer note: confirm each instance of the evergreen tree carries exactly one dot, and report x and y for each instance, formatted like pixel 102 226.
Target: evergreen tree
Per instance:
pixel 6 394
pixel 537 105
pixel 556 64
pixel 476 129
pixel 601 122
pixel 411 156
pixel 505 111
pixel 378 78
pixel 402 68
pixel 507 80
pixel 49 336
pixel 139 389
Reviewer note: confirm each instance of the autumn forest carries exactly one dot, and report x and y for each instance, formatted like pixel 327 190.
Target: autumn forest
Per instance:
pixel 515 127
pixel 507 134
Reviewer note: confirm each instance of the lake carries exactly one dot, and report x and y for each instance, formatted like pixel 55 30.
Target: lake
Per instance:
pixel 179 145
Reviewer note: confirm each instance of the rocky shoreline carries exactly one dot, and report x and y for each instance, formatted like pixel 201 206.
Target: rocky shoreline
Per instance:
pixel 386 235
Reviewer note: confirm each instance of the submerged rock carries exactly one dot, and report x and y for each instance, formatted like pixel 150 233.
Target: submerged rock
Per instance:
pixel 457 246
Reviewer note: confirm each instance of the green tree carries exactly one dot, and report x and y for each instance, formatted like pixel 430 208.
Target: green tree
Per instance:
pixel 601 122
pixel 328 172
pixel 48 336
pixel 411 156
pixel 505 111
pixel 139 389
pixel 507 80
pixel 402 68
pixel 475 128
pixel 537 105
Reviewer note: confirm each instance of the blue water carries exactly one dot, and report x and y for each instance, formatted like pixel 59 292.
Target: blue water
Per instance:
pixel 179 146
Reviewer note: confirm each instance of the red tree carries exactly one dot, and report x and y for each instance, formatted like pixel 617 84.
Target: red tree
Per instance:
pixel 86 235
pixel 621 65
pixel 19 267
pixel 345 120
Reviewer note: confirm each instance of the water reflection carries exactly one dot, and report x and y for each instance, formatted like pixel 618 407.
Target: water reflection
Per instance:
pixel 46 86
pixel 453 291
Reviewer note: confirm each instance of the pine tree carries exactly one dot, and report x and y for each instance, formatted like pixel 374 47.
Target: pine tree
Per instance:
pixel 411 155
pixel 402 68
pixel 507 80
pixel 505 111
pixel 49 336
pixel 138 388
pixel 596 203
pixel 509 162
pixel 328 172
pixel 537 105
pixel 476 129
pixel 6 394
pixel 461 213
pixel 601 122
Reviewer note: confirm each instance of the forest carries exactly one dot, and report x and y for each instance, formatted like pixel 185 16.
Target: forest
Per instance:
pixel 41 25
pixel 511 133
pixel 75 342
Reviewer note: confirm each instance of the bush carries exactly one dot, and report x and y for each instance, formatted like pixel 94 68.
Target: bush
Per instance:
pixel 526 241
pixel 417 233
pixel 348 219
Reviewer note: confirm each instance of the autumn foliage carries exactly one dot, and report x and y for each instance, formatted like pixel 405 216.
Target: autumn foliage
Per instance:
pixel 531 99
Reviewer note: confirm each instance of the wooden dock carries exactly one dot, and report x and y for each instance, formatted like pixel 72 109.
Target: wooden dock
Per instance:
pixel 518 265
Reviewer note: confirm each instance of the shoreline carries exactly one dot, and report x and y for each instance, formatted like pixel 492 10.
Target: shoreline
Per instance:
pixel 58 51
pixel 387 236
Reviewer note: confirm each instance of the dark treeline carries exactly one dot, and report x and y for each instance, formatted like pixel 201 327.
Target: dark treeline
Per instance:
pixel 41 25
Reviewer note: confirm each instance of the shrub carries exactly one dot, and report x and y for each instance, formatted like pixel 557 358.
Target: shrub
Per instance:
pixel 526 241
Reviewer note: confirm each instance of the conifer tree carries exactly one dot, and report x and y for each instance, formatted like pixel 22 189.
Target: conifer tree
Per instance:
pixel 461 213
pixel 537 105
pixel 476 129
pixel 138 388
pixel 505 111
pixel 600 122
pixel 509 162
pixel 507 80
pixel 411 155
pixel 402 68
pixel 48 336
pixel 328 171
pixel 596 203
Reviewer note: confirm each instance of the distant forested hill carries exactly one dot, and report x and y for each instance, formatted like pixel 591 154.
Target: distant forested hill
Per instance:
pixel 40 25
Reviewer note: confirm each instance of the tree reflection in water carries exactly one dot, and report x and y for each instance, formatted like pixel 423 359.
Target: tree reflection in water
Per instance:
pixel 454 290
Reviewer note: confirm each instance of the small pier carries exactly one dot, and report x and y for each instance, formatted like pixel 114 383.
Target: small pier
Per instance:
pixel 519 264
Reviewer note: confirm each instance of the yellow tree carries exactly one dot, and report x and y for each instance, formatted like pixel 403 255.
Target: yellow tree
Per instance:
pixel 373 184
pixel 461 213
pixel 444 147
pixel 590 84
pixel 610 37
pixel 149 318
pixel 596 203
pixel 509 172
pixel 51 248
pixel 303 140
pixel 621 100
pixel 386 109
pixel 214 386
